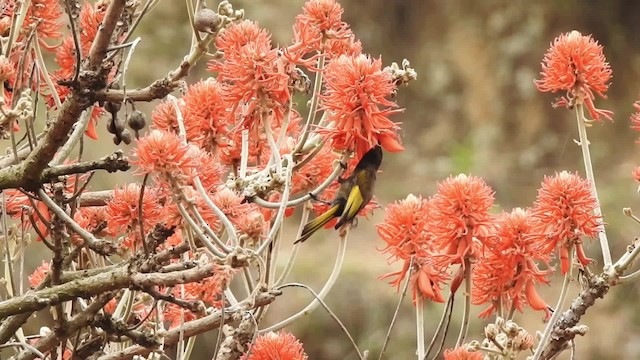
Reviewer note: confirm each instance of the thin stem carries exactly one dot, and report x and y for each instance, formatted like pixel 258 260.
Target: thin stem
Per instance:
pixel 285 124
pixel 557 311
pixel 315 100
pixel 244 155
pixel 586 155
pixel 219 213
pixel 277 222
pixel 198 231
pixel 24 345
pixel 16 26
pixel 47 79
pixel 331 313
pixel 445 315
pixel 125 67
pixel 467 303
pixel 294 251
pixel 275 151
pixel 395 313
pixel 140 215
pixel 338 170
pixel 631 276
pixel 420 327
pixel 78 131
pixel 196 180
pixel 84 234
pixel 337 267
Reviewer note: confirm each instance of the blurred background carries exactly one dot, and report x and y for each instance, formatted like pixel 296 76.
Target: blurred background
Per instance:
pixel 474 109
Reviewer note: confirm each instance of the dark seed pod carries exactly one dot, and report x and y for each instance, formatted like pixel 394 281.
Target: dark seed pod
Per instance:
pixel 126 136
pixel 137 120
pixel 116 140
pixel 111 126
pixel 206 20
pixel 112 107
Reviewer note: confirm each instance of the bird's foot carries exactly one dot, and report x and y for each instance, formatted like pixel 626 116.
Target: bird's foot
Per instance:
pixel 316 198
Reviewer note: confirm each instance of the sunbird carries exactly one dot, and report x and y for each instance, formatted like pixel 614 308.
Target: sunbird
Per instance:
pixel 353 195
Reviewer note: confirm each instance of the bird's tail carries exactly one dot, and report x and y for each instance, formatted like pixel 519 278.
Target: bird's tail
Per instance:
pixel 317 223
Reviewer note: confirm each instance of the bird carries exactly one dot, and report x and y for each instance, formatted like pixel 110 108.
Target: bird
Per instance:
pixel 353 195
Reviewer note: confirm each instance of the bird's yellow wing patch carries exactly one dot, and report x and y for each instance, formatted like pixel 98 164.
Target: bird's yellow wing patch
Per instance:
pixel 354 201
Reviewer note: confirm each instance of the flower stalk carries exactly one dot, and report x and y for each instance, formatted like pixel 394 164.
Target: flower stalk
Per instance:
pixel 588 167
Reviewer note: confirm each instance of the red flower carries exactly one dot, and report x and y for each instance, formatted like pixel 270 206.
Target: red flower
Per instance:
pixel 164 117
pixel 237 35
pixel 320 28
pixel 575 63
pixel 281 345
pixel 45 14
pixel 507 272
pixel 254 76
pixel 40 273
pixel 462 354
pixel 205 114
pixel 355 98
pixel 208 290
pixel 123 216
pixel 208 169
pixel 20 207
pixel 635 118
pixel 232 204
pixel 636 174
pixel 564 216
pixel 164 153
pixel 426 276
pixel 404 229
pixel 90 20
pixel 7 69
pixel 93 219
pixel 460 215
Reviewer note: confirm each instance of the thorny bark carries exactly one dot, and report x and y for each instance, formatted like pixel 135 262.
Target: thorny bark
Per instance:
pixel 567 327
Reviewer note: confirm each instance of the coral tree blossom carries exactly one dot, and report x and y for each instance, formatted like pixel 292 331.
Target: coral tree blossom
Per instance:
pixel 460 217
pixel 320 28
pixel 123 214
pixel 635 118
pixel 506 274
pixel 356 100
pixel 576 64
pixel 563 215
pixel 281 345
pixel 404 230
pixel 164 153
pixel 462 354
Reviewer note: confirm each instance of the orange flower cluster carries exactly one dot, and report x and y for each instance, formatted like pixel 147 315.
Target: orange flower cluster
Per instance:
pixel 576 64
pixel 563 214
pixel 90 19
pixel 281 345
pixel 505 251
pixel 320 29
pixel 507 272
pixel 438 232
pixel 462 354
pixel 208 291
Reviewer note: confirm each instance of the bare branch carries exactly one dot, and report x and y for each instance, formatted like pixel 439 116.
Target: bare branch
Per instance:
pixel 111 163
pixel 119 278
pixel 195 327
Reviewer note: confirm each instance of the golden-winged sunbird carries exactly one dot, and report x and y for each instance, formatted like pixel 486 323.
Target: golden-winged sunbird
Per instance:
pixel 353 195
